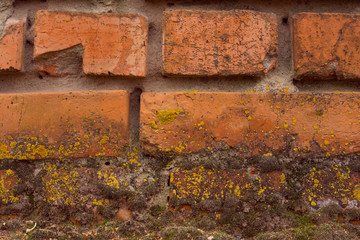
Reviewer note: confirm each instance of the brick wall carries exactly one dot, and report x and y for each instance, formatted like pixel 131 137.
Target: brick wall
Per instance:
pixel 172 110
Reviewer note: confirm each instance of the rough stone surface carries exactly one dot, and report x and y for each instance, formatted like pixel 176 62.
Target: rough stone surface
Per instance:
pixel 204 43
pixel 12 47
pixel 66 124
pixel 326 46
pixel 294 124
pixel 113 44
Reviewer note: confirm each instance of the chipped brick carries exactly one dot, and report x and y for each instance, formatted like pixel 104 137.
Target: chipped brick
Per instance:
pixel 325 46
pixel 113 44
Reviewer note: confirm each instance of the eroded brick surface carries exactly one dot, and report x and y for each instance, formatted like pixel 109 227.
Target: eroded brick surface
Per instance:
pixel 200 184
pixel 12 47
pixel 8 179
pixel 332 185
pixel 113 44
pixel 203 43
pixel 294 124
pixel 63 125
pixel 326 46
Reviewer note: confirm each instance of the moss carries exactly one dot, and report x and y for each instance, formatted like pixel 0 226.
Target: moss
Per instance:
pixel 108 211
pixel 114 193
pixel 229 217
pixel 334 213
pixel 331 231
pixel 182 233
pixel 159 222
pixel 157 210
pixel 137 202
pixel 131 229
pixel 211 205
pixel 268 164
pixel 205 221
pixel 168 116
pixel 221 236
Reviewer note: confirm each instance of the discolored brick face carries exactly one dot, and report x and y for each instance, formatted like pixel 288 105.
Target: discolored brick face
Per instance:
pixel 294 124
pixel 113 44
pixel 12 47
pixel 326 46
pixel 219 43
pixel 63 125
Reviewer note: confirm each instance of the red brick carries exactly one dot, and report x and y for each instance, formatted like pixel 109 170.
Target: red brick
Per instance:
pixel 295 124
pixel 63 124
pixel 114 44
pixel 203 43
pixel 325 46
pixel 12 47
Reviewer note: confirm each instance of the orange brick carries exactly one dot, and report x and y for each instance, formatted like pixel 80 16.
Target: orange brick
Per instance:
pixel 203 43
pixel 12 47
pixel 325 46
pixel 113 44
pixel 63 125
pixel 294 124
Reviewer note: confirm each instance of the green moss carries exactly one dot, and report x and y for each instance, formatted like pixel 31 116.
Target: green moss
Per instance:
pixel 156 210
pixel 182 233
pixel 222 236
pixel 205 221
pixel 330 231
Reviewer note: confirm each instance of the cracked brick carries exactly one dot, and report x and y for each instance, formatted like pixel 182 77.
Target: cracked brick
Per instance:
pixel 211 43
pixel 326 46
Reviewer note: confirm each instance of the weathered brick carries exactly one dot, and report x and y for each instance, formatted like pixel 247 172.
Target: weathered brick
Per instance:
pixel 12 47
pixel 8 179
pixel 200 184
pixel 203 43
pixel 332 185
pixel 294 124
pixel 325 46
pixel 113 44
pixel 63 125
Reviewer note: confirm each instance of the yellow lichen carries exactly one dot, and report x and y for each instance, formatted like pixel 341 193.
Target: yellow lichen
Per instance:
pixel 153 124
pixel 104 140
pixel 168 116
pixel 6 193
pixel 109 178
